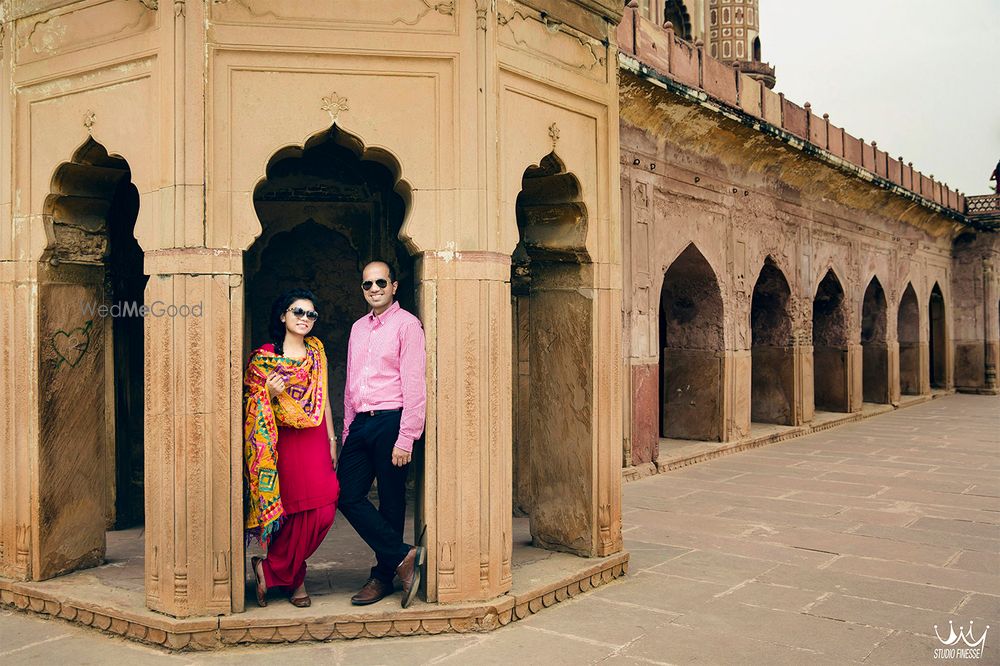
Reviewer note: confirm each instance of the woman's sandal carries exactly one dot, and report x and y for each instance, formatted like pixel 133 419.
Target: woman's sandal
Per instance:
pixel 300 602
pixel 261 590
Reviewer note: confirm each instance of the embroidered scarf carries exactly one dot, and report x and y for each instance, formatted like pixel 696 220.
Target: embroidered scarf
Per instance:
pixel 300 405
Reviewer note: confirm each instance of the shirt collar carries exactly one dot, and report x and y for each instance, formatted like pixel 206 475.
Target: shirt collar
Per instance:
pixel 379 319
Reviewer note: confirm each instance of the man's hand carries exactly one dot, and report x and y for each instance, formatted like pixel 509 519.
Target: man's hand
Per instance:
pixel 400 457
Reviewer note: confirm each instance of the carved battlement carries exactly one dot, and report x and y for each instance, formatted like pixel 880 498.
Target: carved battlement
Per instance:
pixel 661 50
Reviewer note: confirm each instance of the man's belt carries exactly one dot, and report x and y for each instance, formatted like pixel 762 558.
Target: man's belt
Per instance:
pixel 376 412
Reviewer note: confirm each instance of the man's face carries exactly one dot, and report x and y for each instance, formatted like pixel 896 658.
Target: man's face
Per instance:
pixel 378 297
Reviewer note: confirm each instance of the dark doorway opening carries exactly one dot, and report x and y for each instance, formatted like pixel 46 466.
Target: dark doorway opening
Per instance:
pixel 691 350
pixel 830 346
pixel 772 393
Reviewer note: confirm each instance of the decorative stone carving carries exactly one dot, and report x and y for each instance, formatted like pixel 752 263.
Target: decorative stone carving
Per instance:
pixel 334 105
pixel 550 40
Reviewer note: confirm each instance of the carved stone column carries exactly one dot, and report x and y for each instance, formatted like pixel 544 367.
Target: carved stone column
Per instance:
pixel 464 303
pixel 193 432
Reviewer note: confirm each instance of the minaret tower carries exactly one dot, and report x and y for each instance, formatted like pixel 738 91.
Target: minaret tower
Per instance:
pixel 734 36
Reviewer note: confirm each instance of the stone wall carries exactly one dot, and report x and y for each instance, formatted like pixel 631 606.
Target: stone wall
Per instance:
pixel 769 193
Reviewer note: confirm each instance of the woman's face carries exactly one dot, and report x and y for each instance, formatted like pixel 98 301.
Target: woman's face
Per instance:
pixel 296 317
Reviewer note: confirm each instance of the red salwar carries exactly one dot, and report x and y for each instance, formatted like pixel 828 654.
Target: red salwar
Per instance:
pixel 299 537
pixel 309 492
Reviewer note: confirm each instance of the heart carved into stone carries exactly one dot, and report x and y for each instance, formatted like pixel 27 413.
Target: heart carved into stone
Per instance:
pixel 72 345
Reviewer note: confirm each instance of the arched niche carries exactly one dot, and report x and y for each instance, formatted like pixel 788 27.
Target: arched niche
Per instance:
pixel 908 333
pixel 552 322
pixel 772 398
pixel 874 351
pixel 937 338
pixel 830 345
pixel 91 362
pixel 691 348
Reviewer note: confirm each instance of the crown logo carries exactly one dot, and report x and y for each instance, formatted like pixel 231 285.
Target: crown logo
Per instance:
pixel 963 635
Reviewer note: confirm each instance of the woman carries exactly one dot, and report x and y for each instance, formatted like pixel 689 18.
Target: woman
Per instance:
pixel 290 447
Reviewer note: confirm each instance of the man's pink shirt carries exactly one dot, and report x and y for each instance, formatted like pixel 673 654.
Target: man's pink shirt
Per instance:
pixel 385 370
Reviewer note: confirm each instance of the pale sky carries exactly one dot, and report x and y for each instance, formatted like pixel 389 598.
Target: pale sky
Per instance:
pixel 920 77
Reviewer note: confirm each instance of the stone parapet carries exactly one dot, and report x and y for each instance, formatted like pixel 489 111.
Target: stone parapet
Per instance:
pixel 657 51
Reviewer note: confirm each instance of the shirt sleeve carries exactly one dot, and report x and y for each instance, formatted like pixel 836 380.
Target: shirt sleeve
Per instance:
pixel 412 365
pixel 349 412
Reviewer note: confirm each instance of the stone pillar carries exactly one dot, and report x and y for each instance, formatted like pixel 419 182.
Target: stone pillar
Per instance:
pixel 193 433
pixel 18 337
pixel 464 303
pixel 991 325
pixel 18 421
pixel 925 362
pixel 854 372
pixel 737 392
pixel 805 408
pixel 894 390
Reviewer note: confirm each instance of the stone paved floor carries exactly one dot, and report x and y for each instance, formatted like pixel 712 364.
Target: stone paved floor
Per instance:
pixel 847 546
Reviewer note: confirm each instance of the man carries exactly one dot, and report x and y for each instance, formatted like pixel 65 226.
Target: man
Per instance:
pixel 384 403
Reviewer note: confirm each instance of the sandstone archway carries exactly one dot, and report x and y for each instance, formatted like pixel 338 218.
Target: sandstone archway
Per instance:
pixel 772 398
pixel 874 351
pixel 326 209
pixel 552 348
pixel 830 346
pixel 91 284
pixel 691 350
pixel 908 332
pixel 937 338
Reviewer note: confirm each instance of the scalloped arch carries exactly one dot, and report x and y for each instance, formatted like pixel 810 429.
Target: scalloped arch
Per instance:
pixel 365 153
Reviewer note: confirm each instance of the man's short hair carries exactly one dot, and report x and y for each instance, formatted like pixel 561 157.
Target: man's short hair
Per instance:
pixel 392 269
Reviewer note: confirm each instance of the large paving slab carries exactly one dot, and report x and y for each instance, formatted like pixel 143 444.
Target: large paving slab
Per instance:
pixel 845 546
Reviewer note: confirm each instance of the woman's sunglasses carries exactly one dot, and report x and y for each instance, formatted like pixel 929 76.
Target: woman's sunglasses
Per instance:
pixel 311 315
pixel 381 283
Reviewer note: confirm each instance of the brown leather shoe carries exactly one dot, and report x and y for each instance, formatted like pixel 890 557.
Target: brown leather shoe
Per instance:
pixel 373 591
pixel 409 571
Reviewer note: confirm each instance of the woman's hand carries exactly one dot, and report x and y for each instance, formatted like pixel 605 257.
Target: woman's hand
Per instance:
pixel 333 448
pixel 275 385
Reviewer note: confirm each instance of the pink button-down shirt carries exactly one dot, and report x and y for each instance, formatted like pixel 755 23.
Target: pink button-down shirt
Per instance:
pixel 385 370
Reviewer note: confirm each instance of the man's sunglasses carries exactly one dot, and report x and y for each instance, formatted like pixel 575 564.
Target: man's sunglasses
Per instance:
pixel 311 315
pixel 381 283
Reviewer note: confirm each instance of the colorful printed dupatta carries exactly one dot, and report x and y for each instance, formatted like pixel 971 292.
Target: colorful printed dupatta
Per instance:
pixel 300 405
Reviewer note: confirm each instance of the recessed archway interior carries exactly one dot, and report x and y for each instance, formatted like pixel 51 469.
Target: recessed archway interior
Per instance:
pixel 553 363
pixel 874 351
pixel 772 354
pixel 908 332
pixel 830 346
pixel 91 367
pixel 937 337
pixel 676 13
pixel 326 209
pixel 691 350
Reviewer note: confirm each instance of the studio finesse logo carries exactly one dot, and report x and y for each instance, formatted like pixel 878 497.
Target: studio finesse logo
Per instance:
pixel 972 649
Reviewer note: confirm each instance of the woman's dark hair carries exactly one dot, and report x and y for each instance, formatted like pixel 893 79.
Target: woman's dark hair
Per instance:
pixel 276 327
